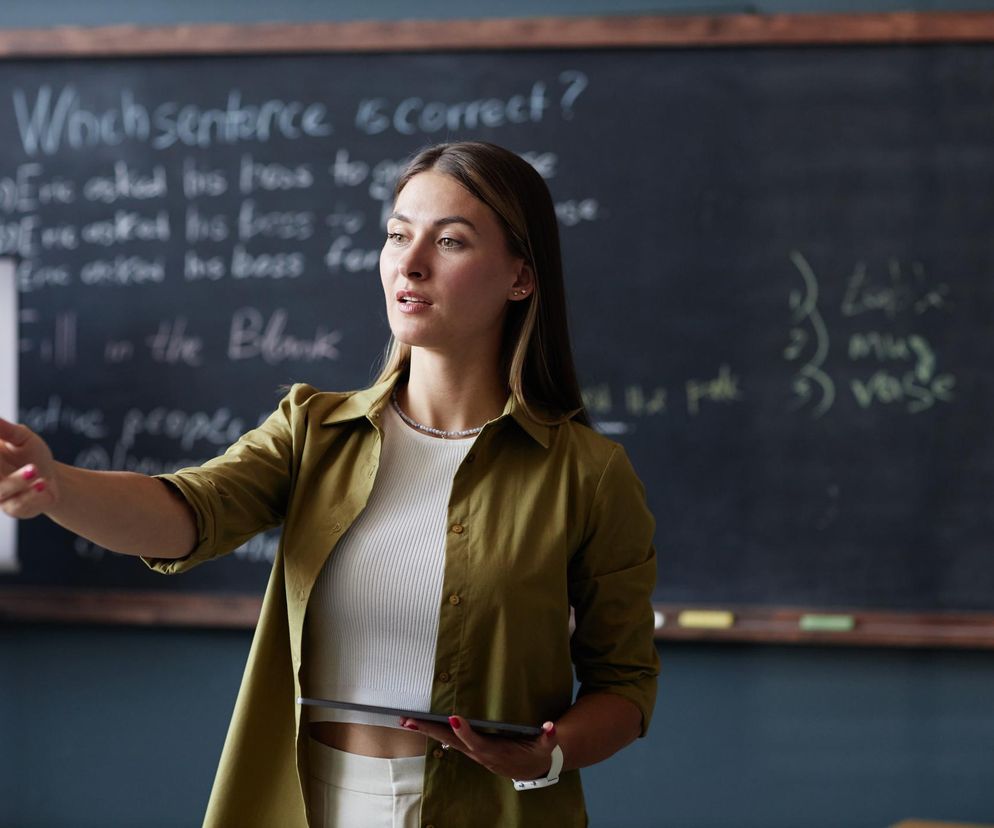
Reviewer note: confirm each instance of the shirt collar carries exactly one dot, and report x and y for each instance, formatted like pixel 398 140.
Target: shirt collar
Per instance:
pixel 370 402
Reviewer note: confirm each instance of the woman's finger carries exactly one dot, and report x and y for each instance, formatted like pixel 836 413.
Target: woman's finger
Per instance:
pixel 30 501
pixel 473 740
pixel 513 758
pixel 18 482
pixel 438 732
pixel 13 433
pixel 14 440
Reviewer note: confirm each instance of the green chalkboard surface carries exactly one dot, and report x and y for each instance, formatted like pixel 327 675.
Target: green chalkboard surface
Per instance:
pixel 778 258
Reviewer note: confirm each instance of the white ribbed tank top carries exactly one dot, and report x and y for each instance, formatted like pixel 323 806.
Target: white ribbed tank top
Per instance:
pixel 372 618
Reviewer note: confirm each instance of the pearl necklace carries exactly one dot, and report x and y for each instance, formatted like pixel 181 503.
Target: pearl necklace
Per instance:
pixel 426 429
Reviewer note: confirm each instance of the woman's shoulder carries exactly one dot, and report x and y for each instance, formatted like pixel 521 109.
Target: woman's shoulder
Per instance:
pixel 584 444
pixel 303 393
pixel 306 401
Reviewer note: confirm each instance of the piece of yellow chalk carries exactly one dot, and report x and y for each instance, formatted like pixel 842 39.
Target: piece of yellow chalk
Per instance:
pixel 706 619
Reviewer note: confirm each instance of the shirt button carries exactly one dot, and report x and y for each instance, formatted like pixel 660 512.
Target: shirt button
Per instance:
pixel 457 528
pixel 444 677
pixel 454 600
pixel 336 528
pixel 470 457
pixel 438 753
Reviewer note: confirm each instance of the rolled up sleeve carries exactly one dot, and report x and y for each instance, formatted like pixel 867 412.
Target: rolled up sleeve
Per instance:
pixel 611 580
pixel 239 493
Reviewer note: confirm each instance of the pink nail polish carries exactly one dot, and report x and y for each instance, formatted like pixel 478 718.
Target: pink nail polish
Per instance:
pixel 454 722
pixel 39 486
pixel 30 473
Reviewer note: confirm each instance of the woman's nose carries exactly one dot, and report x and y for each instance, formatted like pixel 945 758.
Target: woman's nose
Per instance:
pixel 412 264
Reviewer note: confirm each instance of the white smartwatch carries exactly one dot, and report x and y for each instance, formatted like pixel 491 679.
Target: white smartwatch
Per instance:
pixel 551 778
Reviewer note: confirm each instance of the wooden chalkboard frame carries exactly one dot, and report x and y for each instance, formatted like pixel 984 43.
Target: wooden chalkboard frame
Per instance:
pixel 741 624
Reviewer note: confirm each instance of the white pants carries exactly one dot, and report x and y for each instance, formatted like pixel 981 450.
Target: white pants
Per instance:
pixel 346 790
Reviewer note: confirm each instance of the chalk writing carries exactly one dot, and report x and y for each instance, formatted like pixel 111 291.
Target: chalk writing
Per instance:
pixel 126 182
pixel 59 237
pixel 122 271
pixel 573 212
pixel 254 175
pixel 597 400
pixel 170 344
pixel 217 428
pixel 201 227
pixel 22 192
pixel 195 268
pixel 889 347
pixel 575 82
pixel 31 276
pixel 414 115
pixel 245 265
pixel 347 173
pixel 18 237
pixel 342 255
pixel 254 336
pixel 809 343
pixel 127 226
pixel 55 416
pixel 907 389
pixel 724 388
pixel 901 291
pixel 644 402
pixel 58 345
pixel 289 225
pixel 52 119
pixel 199 182
pixel 919 389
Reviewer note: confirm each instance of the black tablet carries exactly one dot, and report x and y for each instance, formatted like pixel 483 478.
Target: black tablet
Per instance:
pixel 482 725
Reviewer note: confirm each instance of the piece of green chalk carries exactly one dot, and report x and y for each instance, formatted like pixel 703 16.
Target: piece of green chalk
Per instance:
pixel 827 623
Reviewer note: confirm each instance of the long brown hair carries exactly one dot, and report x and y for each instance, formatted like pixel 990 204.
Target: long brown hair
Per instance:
pixel 536 355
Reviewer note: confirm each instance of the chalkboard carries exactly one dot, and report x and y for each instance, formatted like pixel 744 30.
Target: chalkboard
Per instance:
pixel 778 262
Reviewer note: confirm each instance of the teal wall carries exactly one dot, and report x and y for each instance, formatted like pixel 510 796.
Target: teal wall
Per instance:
pixel 122 726
pixel 118 727
pixel 32 14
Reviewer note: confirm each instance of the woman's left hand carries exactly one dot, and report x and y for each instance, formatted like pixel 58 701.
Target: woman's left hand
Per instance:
pixel 513 758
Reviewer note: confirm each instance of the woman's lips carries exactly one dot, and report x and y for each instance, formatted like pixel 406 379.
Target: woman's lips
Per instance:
pixel 410 302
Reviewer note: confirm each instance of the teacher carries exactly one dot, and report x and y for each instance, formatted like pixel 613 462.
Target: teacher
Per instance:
pixel 456 539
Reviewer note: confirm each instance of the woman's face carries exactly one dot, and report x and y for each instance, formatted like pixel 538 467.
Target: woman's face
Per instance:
pixel 446 269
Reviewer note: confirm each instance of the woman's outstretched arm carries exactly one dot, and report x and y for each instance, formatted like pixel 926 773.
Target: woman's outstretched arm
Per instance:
pixel 121 511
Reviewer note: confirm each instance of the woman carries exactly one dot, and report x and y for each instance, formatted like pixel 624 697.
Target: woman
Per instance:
pixel 438 529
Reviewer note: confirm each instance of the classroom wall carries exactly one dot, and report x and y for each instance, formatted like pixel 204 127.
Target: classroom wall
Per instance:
pixel 31 14
pixel 122 726
pixel 115 727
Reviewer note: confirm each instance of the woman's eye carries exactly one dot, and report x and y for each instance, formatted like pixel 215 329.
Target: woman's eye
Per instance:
pixel 448 243
pixel 396 238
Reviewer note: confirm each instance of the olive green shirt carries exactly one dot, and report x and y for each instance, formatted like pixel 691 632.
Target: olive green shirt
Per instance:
pixel 541 518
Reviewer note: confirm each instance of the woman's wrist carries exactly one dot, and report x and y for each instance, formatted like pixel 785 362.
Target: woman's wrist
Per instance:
pixel 550 777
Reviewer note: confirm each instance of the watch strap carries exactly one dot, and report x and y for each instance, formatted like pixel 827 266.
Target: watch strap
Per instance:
pixel 551 778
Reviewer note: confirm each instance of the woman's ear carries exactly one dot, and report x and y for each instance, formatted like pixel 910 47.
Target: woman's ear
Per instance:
pixel 524 284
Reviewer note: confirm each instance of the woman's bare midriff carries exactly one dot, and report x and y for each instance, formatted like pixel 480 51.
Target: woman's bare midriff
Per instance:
pixel 369 740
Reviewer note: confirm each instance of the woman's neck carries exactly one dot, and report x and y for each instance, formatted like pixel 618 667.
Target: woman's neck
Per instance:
pixel 451 395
